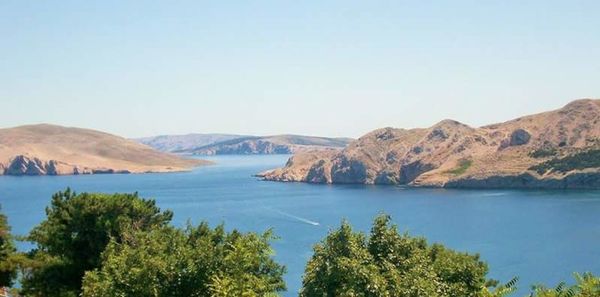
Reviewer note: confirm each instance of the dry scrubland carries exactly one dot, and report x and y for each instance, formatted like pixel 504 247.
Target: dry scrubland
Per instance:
pixel 555 149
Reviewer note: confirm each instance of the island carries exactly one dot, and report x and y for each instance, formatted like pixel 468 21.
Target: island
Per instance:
pixel 55 150
pixel 228 144
pixel 558 149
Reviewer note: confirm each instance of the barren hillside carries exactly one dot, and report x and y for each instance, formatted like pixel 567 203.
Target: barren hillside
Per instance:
pixel 55 150
pixel 556 149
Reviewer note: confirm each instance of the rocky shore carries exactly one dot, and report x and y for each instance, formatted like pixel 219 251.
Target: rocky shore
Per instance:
pixel 557 149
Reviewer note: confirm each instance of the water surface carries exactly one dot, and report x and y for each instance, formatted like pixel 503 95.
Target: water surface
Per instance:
pixel 540 236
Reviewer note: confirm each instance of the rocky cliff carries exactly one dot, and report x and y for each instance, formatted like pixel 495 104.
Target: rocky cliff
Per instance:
pixel 556 149
pixel 182 143
pixel 279 144
pixel 55 150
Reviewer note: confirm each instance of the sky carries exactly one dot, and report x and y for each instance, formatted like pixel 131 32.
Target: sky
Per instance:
pixel 327 68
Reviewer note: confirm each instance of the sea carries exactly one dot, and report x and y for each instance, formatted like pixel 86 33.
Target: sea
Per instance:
pixel 540 236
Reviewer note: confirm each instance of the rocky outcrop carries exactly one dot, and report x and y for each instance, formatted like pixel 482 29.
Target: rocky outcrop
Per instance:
pixel 519 137
pixel 319 173
pixel 409 172
pixel 452 154
pixel 22 165
pixel 349 171
pixel 109 171
pixel 311 166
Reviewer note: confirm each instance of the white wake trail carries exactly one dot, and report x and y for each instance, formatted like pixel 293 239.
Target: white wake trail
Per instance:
pixel 289 215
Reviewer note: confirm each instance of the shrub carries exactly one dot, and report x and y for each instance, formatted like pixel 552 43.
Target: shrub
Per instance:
pixel 463 166
pixel 577 161
pixel 387 263
pixel 196 262
pixel 587 286
pixel 543 152
pixel 75 233
pixel 8 266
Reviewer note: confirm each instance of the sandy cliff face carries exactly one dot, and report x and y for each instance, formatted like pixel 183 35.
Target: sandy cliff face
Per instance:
pixel 56 150
pixel 451 154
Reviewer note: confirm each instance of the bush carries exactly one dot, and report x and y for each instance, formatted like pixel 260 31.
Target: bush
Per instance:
pixel 463 166
pixel 195 262
pixel 587 286
pixel 577 161
pixel 75 233
pixel 8 266
pixel 543 152
pixel 387 263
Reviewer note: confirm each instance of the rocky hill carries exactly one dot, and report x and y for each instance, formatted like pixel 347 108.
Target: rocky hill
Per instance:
pixel 172 143
pixel 556 149
pixel 55 150
pixel 279 144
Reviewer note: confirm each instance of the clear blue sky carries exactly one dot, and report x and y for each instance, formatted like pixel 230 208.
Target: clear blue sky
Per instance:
pixel 331 68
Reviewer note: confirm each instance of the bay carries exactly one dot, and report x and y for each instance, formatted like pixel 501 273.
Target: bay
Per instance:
pixel 540 236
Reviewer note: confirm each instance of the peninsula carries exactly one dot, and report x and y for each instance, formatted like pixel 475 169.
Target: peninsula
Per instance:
pixel 557 149
pixel 55 150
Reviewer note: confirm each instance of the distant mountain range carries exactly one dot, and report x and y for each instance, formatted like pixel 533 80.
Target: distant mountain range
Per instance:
pixel 225 144
pixel 556 149
pixel 183 143
pixel 56 150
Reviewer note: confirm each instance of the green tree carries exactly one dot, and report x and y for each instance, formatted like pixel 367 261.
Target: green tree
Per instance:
pixel 75 233
pixel 8 266
pixel 196 262
pixel 587 285
pixel 342 266
pixel 492 289
pixel 387 263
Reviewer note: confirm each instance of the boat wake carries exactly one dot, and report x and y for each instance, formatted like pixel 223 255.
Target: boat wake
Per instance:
pixel 297 218
pixel 493 194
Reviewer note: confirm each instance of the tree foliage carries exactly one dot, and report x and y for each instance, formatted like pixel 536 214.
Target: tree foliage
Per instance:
pixel 492 289
pixel 387 263
pixel 8 266
pixel 75 233
pixel 587 285
pixel 196 262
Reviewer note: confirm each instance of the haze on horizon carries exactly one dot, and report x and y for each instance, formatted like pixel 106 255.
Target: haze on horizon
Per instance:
pixel 336 68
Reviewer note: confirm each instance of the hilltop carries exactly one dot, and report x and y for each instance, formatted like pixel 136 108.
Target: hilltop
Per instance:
pixel 173 143
pixel 279 144
pixel 555 149
pixel 55 150
pixel 226 144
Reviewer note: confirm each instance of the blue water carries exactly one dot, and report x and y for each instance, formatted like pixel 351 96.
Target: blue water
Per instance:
pixel 540 236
